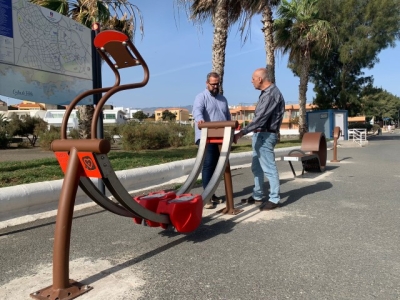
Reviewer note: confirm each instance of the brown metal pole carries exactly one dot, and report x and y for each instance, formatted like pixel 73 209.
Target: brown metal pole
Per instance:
pixel 63 287
pixel 228 190
pixel 65 212
pixel 335 151
pixel 230 206
pixel 336 134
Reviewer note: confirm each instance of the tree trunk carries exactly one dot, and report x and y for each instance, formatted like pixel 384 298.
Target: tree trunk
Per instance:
pixel 86 113
pixel 304 74
pixel 220 20
pixel 343 92
pixel 268 30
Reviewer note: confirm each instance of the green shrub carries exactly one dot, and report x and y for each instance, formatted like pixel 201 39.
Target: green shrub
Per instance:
pixel 46 138
pixel 180 135
pixel 74 133
pixel 4 141
pixel 24 144
pixel 153 136
pixel 188 136
pixel 110 131
pixel 136 136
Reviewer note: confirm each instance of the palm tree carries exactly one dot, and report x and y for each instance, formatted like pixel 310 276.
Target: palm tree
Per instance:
pixel 116 14
pixel 298 32
pixel 223 13
pixel 265 8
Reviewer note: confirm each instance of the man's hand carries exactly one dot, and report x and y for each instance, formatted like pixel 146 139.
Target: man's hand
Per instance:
pixel 199 122
pixel 237 136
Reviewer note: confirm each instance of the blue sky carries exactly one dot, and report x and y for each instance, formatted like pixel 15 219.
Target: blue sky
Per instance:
pixel 179 57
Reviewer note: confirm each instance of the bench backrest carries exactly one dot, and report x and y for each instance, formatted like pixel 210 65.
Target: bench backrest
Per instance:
pixel 315 143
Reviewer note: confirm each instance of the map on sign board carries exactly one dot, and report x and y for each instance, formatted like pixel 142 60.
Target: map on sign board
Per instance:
pixel 44 56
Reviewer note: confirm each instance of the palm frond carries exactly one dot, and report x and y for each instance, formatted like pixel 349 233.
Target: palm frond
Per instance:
pixel 59 6
pixel 117 14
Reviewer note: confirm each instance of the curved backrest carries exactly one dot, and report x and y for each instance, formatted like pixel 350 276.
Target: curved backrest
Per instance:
pixel 115 43
pixel 315 142
pixel 116 46
pixel 336 132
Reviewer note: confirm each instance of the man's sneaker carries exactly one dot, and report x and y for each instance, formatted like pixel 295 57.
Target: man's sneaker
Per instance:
pixel 251 200
pixel 209 205
pixel 268 206
pixel 216 199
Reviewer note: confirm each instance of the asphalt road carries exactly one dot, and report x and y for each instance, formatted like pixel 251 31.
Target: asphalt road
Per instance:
pixel 335 236
pixel 21 154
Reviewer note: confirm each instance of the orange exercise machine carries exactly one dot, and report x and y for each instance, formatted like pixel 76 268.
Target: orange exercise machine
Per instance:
pixel 81 160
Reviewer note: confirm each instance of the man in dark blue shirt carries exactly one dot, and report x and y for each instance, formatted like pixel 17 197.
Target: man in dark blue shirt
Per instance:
pixel 265 126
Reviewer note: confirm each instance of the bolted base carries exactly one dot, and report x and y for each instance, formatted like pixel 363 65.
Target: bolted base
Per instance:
pixel 74 290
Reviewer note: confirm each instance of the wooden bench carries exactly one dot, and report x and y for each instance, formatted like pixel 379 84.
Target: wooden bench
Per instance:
pixel 312 153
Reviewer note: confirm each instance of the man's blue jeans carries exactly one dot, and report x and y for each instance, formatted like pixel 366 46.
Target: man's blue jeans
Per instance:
pixel 263 162
pixel 210 163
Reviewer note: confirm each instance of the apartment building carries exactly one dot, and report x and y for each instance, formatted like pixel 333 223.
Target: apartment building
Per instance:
pixel 182 114
pixel 244 113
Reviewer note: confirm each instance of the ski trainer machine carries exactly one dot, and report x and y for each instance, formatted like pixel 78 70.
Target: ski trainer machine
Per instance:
pixel 83 159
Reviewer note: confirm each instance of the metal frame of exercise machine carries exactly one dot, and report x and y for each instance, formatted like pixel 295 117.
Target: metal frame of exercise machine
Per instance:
pixel 81 160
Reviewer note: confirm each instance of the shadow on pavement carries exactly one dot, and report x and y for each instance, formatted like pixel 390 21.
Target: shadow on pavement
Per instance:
pixel 345 158
pixel 386 137
pixel 297 194
pixel 203 233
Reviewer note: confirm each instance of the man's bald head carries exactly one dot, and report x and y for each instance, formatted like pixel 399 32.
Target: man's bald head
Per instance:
pixel 261 79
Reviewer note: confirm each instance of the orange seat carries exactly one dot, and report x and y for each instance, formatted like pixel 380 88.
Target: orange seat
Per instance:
pixel 185 212
pixel 151 202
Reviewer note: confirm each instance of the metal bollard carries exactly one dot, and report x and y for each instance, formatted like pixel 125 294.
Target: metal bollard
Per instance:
pixel 336 135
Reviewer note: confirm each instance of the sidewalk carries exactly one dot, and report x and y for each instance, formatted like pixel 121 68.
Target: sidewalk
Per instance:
pixel 335 236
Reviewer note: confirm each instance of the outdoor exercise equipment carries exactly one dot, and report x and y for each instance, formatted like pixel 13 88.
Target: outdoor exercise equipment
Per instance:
pixel 312 153
pixel 221 133
pixel 81 160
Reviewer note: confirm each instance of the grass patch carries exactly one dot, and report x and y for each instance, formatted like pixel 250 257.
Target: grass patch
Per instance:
pixel 39 170
pixel 22 172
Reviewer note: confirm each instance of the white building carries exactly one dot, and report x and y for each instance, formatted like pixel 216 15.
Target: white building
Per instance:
pixel 114 117
pixel 54 117
pixel 33 113
pixel 129 111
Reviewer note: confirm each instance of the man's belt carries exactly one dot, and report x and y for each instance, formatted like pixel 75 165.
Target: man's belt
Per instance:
pixel 264 130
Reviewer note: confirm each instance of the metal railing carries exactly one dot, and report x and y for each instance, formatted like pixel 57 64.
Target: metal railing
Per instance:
pixel 358 135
